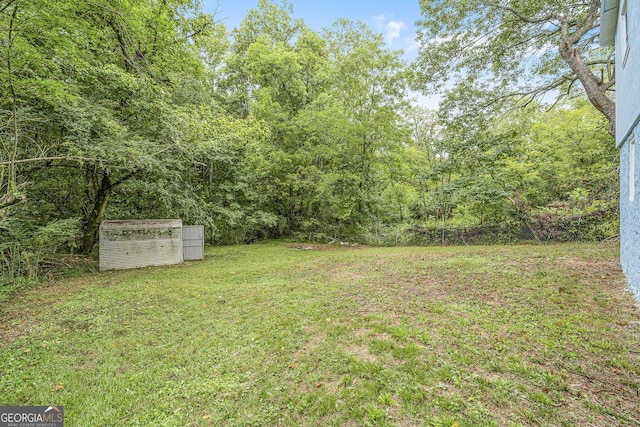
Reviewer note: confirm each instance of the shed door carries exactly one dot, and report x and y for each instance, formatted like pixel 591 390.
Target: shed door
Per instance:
pixel 193 242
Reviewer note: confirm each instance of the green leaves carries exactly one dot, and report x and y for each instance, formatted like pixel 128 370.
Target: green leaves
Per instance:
pixel 512 53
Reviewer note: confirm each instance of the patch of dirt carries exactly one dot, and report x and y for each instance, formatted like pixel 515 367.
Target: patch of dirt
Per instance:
pixel 349 275
pixel 11 334
pixel 593 266
pixel 359 333
pixel 362 353
pixel 310 247
pixel 18 317
pixel 320 247
pixel 313 343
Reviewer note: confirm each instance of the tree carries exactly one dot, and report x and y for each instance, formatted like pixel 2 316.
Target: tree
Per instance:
pixel 369 86
pixel 89 86
pixel 571 152
pixel 268 22
pixel 331 102
pixel 514 51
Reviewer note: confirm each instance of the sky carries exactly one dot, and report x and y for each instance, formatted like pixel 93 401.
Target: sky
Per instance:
pixel 395 19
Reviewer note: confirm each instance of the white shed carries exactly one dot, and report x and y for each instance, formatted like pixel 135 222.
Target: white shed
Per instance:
pixel 140 243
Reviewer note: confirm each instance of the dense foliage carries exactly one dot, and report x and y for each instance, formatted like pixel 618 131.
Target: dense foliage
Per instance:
pixel 153 109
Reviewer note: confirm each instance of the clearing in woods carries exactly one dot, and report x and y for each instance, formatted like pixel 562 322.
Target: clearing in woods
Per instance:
pixel 297 334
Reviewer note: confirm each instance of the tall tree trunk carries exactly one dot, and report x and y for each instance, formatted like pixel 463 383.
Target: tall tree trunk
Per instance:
pixel 92 220
pixel 102 188
pixel 11 184
pixel 595 87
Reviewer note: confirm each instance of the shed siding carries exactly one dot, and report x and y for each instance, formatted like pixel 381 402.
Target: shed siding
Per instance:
pixel 133 244
pixel 193 242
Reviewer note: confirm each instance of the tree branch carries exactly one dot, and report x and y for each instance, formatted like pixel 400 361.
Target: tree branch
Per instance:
pixel 588 23
pixel 532 94
pixel 44 159
pixel 14 197
pixel 6 6
pixel 523 18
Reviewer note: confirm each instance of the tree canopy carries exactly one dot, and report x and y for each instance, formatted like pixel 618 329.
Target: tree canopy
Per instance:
pixel 516 51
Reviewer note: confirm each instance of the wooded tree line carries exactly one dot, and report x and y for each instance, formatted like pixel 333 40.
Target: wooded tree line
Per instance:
pixel 153 109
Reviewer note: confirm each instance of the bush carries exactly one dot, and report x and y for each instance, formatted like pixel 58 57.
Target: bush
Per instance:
pixel 29 252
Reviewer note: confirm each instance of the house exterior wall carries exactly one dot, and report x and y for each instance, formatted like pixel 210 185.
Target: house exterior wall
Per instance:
pixel 627 130
pixel 140 243
pixel 628 76
pixel 630 215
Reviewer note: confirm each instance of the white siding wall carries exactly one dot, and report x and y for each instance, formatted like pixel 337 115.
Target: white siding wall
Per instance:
pixel 140 243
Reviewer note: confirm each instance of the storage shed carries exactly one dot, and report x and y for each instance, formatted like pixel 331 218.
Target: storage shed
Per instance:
pixel 140 243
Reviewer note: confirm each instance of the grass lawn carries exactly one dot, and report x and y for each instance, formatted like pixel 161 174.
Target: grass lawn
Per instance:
pixel 280 334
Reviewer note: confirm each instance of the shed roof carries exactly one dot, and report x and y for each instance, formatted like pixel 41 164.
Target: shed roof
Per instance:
pixel 132 224
pixel 608 22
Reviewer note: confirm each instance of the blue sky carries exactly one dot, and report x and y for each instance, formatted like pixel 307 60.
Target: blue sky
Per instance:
pixel 394 19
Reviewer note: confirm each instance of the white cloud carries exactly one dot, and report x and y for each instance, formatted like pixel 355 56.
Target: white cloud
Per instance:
pixel 390 28
pixel 393 30
pixel 381 20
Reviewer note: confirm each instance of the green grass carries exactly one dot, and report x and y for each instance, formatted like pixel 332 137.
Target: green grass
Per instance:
pixel 270 334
